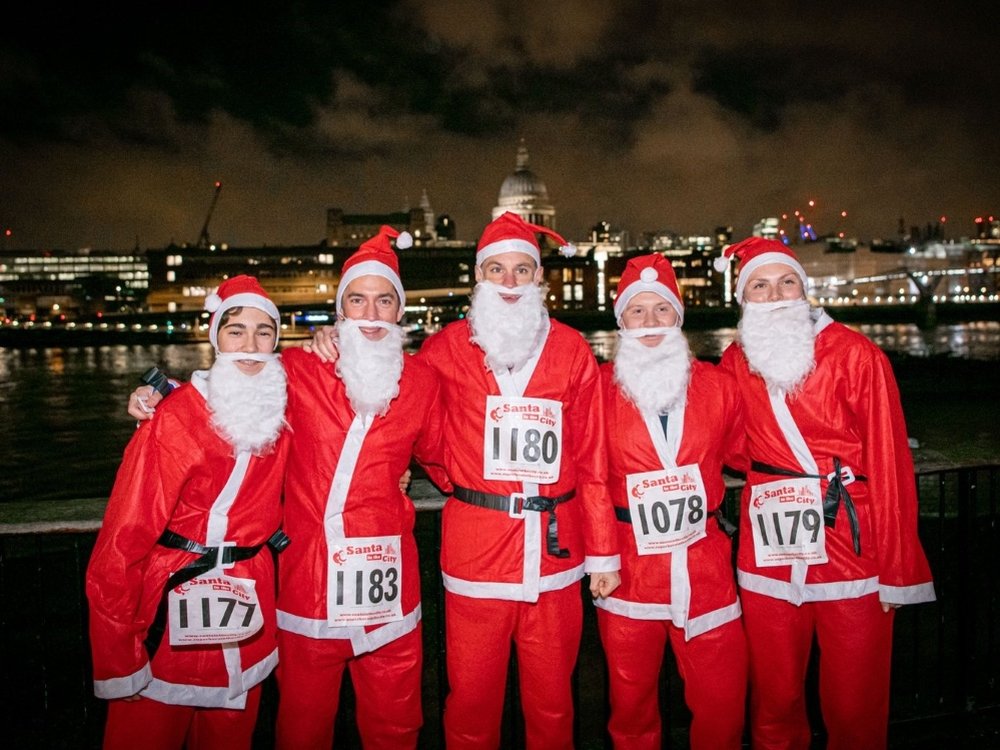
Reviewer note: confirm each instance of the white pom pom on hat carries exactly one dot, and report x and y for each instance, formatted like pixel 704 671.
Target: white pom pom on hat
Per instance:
pixel 212 302
pixel 721 263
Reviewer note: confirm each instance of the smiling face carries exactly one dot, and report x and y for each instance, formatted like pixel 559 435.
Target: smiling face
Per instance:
pixel 372 298
pixel 649 310
pixel 510 270
pixel 247 329
pixel 773 282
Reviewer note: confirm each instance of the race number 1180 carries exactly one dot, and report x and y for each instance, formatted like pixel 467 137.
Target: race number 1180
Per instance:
pixel 525 446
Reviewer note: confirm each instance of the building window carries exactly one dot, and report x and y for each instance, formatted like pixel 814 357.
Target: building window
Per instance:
pixel 577 274
pixel 567 275
pixel 171 276
pixel 578 292
pixel 567 293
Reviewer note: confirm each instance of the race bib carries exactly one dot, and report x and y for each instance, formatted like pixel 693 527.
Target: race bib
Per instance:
pixel 787 521
pixel 668 508
pixel 364 581
pixel 523 439
pixel 213 608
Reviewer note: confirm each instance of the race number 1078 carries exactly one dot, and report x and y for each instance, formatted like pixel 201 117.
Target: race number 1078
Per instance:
pixel 659 514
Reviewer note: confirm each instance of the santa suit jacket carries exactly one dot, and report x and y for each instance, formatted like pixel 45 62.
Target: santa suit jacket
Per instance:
pixel 696 588
pixel 848 408
pixel 362 462
pixel 173 476
pixel 485 553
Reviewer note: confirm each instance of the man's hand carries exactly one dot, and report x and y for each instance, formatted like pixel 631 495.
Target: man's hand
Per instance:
pixel 886 606
pixel 602 584
pixel 324 344
pixel 404 481
pixel 142 402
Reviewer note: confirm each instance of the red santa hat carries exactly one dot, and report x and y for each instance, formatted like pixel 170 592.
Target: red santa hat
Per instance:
pixel 509 233
pixel 239 291
pixel 375 257
pixel 649 273
pixel 755 252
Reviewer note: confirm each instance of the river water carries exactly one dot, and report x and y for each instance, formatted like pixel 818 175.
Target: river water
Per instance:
pixel 65 426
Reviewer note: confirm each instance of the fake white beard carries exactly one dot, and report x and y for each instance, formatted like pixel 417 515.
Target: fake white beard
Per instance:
pixel 509 333
pixel 779 341
pixel 247 410
pixel 654 378
pixel 370 369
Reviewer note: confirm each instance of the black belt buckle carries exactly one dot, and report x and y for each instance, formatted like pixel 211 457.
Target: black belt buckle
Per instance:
pixel 516 507
pixel 279 540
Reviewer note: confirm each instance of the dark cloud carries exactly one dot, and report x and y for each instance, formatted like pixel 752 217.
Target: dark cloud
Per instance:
pixel 682 114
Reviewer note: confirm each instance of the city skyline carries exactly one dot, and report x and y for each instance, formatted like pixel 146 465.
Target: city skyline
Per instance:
pixel 652 116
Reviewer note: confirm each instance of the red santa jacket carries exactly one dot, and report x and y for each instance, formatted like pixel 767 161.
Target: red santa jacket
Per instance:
pixel 172 477
pixel 486 553
pixel 328 442
pixel 708 426
pixel 847 409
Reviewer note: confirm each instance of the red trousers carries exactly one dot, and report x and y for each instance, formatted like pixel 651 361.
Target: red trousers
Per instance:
pixel 478 636
pixel 712 665
pixel 855 654
pixel 386 685
pixel 152 725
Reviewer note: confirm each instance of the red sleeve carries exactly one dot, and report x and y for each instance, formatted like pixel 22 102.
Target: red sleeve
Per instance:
pixel 429 448
pixel 904 574
pixel 735 453
pixel 141 503
pixel 586 422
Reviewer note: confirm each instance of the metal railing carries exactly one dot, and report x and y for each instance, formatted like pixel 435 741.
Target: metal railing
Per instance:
pixel 946 658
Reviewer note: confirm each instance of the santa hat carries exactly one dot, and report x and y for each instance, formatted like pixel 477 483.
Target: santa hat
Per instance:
pixel 509 233
pixel 755 252
pixel 239 291
pixel 375 257
pixel 649 273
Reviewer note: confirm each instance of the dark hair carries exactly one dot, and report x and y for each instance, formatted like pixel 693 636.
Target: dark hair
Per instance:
pixel 234 311
pixel 228 314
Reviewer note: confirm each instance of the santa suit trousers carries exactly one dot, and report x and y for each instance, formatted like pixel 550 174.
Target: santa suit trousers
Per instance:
pixel 386 687
pixel 855 655
pixel 478 637
pixel 153 725
pixel 712 665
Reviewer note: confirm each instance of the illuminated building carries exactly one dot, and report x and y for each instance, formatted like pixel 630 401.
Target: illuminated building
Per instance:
pixel 57 283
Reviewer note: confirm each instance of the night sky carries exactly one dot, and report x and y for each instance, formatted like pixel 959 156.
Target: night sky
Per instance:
pixel 683 116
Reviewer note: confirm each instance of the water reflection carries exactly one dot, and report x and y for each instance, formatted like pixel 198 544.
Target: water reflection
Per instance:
pixel 978 340
pixel 64 425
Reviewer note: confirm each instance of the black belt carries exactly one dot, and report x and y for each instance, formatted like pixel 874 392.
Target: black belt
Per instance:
pixel 725 525
pixel 515 504
pixel 210 558
pixel 835 492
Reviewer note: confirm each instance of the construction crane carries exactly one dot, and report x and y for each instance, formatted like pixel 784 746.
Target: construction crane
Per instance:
pixel 203 240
